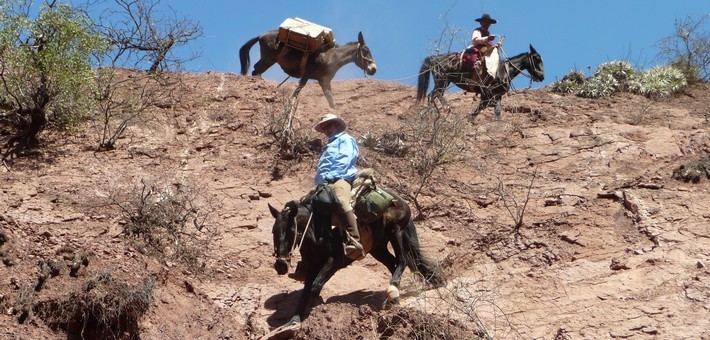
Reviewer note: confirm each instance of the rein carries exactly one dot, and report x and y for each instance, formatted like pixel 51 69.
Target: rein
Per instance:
pixel 297 245
pixel 521 71
pixel 295 223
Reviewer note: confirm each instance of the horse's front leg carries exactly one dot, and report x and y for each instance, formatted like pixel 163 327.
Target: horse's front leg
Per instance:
pixel 400 265
pixel 301 84
pixel 312 288
pixel 382 254
pixel 484 103
pixel 498 108
pixel 325 86
pixel 475 113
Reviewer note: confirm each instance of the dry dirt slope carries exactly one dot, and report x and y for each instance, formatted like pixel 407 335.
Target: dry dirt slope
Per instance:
pixel 611 246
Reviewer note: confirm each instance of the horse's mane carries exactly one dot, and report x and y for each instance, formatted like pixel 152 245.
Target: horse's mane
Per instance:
pixel 518 55
pixel 347 44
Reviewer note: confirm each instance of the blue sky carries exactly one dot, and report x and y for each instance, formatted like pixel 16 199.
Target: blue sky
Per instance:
pixel 568 34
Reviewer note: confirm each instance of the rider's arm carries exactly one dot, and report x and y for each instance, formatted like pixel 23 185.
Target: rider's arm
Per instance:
pixel 338 160
pixel 477 39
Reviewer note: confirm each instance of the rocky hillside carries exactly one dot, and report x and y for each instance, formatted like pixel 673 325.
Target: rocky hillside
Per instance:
pixel 562 221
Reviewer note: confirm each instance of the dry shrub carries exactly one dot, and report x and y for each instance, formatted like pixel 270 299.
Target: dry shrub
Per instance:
pixel 168 221
pixel 102 309
pixel 123 100
pixel 389 143
pixel 22 308
pixel 291 143
pixel 434 137
pixel 406 323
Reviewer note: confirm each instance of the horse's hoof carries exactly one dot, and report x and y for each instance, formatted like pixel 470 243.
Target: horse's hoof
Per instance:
pixel 388 304
pixel 392 293
pixel 294 321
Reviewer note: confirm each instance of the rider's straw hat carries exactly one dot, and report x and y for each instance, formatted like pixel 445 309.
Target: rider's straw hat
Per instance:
pixel 330 118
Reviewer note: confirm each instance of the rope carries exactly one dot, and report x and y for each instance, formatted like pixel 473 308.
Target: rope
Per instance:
pixel 510 81
pixel 405 78
pixel 287 78
pixel 295 222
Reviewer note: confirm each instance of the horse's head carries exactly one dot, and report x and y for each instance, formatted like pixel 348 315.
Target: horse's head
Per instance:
pixel 536 67
pixel 284 232
pixel 364 59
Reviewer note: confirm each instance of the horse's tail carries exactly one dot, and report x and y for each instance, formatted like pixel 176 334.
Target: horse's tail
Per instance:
pixel 244 54
pixel 423 82
pixel 416 260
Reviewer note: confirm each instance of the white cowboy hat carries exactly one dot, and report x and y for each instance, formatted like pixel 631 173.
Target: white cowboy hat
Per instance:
pixel 330 118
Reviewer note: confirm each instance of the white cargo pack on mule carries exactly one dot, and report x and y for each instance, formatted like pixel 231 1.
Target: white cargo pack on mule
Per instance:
pixel 304 35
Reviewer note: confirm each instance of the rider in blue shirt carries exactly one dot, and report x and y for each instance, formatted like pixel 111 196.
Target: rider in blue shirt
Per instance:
pixel 337 168
pixel 338 159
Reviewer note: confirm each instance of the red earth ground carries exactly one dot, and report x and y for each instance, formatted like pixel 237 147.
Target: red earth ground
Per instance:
pixel 609 245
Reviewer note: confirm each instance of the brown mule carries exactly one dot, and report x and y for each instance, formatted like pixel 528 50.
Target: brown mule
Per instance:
pixel 320 66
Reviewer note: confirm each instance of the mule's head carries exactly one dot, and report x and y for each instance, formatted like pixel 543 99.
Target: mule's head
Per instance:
pixel 284 232
pixel 536 67
pixel 364 59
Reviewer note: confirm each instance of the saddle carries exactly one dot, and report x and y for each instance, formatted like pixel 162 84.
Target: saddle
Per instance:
pixel 488 56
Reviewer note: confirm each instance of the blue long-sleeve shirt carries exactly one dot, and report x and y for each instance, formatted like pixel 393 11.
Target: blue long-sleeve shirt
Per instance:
pixel 338 159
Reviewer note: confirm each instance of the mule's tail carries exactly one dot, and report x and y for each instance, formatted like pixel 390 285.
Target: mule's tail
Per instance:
pixel 423 82
pixel 244 54
pixel 417 262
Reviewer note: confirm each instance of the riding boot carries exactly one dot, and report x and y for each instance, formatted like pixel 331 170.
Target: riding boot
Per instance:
pixel 353 248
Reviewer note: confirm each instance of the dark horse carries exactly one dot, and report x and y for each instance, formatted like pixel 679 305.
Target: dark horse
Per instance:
pixel 323 254
pixel 445 69
pixel 320 66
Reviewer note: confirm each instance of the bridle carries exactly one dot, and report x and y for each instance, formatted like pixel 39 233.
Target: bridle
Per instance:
pixel 296 244
pixel 522 71
pixel 362 58
pixel 532 65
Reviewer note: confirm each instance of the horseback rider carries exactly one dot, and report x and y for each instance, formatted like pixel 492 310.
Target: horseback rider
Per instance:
pixel 337 168
pixel 481 46
pixel 482 39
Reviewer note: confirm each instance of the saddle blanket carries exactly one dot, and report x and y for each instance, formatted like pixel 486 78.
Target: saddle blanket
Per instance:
pixel 469 57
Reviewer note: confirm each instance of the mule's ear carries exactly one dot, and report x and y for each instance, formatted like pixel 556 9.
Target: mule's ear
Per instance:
pixel 532 50
pixel 273 210
pixel 360 39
